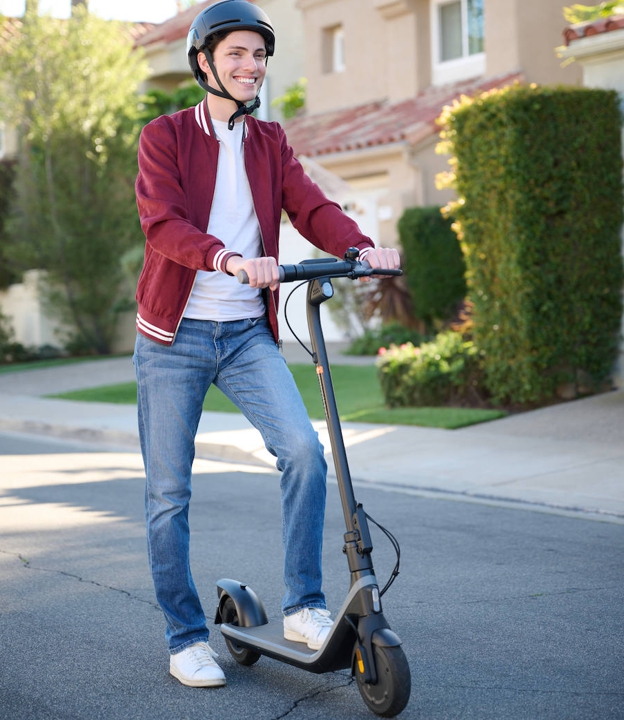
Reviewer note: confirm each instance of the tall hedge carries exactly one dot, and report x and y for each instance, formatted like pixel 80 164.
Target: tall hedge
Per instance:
pixel 433 263
pixel 539 175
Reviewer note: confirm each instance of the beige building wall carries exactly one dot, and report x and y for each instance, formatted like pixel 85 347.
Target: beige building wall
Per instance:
pixel 287 66
pixel 365 76
pixel 523 35
pixel 540 27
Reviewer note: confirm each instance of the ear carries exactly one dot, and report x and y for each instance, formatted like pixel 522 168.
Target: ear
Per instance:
pixel 203 64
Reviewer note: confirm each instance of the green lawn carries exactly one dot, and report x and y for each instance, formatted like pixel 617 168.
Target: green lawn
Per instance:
pixel 358 397
pixel 52 362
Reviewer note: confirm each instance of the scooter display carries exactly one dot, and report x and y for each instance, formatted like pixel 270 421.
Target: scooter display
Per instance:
pixel 360 638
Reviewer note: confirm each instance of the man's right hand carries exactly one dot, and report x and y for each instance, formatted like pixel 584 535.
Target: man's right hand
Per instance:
pixel 262 272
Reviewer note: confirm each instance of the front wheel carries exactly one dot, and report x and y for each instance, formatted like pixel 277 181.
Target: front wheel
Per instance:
pixel 389 696
pixel 242 655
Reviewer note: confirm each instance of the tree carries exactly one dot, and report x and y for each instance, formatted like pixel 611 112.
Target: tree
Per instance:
pixel 71 89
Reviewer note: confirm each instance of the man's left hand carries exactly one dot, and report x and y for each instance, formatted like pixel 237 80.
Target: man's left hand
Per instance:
pixel 382 258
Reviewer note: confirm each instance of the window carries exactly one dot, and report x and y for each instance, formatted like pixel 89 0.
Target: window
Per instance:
pixel 333 49
pixel 458 40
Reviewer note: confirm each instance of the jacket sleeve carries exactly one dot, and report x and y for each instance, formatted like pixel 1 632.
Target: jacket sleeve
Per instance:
pixel 164 207
pixel 318 219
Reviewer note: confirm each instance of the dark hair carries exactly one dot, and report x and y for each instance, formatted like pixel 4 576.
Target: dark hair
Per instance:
pixel 216 37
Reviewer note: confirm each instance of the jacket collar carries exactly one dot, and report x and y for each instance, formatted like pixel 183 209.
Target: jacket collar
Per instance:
pixel 203 119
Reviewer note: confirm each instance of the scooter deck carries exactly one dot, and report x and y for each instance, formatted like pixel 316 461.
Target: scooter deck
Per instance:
pixel 269 640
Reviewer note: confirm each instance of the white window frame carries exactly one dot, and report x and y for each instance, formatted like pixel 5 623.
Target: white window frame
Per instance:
pixel 462 68
pixel 332 50
pixel 338 57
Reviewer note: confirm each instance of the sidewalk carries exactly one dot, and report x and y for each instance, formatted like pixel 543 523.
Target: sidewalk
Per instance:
pixel 567 458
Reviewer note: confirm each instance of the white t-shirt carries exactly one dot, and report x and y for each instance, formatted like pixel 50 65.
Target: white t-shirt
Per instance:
pixel 217 296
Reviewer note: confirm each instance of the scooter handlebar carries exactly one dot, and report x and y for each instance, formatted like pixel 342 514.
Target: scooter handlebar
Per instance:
pixel 324 267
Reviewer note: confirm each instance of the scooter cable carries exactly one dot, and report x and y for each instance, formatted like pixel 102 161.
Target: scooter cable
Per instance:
pixel 394 542
pixel 397 550
pixel 297 338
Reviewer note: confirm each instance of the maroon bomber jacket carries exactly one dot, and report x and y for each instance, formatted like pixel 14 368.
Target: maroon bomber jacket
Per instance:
pixel 174 189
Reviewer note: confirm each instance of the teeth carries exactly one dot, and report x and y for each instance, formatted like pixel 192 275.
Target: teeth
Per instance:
pixel 246 81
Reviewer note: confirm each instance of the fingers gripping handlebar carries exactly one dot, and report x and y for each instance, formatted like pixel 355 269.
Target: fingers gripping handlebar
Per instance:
pixel 324 267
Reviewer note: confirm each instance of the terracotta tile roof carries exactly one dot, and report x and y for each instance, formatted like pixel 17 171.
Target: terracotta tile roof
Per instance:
pixel 138 29
pixel 381 123
pixel 597 27
pixel 176 27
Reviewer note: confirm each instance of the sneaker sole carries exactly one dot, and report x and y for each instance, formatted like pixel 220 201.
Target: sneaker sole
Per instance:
pixel 296 637
pixel 216 682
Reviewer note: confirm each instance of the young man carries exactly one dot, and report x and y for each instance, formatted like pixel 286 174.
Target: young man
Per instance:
pixel 211 187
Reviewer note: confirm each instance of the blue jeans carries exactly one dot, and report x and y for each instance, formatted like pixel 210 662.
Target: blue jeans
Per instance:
pixel 243 361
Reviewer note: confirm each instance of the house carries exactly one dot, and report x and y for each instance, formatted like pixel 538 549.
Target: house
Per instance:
pixel 380 71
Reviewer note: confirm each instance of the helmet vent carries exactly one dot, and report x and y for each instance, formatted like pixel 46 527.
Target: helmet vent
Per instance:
pixel 214 26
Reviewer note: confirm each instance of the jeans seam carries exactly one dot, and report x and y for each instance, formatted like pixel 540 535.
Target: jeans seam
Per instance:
pixel 180 648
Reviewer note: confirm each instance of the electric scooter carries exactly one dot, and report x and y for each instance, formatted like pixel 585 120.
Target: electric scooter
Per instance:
pixel 360 638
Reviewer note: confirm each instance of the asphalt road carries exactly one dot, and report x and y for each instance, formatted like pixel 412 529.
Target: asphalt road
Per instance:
pixel 503 613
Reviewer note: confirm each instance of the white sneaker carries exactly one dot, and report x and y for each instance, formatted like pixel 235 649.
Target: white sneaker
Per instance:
pixel 310 625
pixel 195 666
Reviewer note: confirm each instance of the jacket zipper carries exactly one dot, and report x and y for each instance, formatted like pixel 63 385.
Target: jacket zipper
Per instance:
pixel 262 245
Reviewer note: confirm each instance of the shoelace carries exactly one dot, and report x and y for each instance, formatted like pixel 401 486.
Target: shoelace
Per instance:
pixel 203 655
pixel 320 617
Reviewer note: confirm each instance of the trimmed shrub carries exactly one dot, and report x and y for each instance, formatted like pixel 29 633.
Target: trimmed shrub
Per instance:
pixel 391 334
pixel 434 266
pixel 445 371
pixel 539 176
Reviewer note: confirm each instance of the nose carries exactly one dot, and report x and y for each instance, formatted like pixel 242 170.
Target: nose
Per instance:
pixel 252 63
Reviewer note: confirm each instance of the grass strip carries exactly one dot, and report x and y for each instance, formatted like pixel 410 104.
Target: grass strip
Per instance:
pixel 358 396
pixel 52 362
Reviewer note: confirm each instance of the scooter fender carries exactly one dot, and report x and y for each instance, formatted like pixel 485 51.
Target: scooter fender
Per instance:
pixel 249 607
pixel 384 637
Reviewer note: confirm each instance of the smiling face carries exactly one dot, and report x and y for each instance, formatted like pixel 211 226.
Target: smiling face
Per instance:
pixel 240 62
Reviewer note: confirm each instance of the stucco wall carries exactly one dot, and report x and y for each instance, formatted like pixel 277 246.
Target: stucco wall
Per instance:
pixel 287 66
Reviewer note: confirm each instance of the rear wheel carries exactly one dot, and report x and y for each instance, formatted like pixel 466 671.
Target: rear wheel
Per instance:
pixel 242 655
pixel 389 696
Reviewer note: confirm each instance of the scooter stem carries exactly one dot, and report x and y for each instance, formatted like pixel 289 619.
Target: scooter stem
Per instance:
pixel 358 545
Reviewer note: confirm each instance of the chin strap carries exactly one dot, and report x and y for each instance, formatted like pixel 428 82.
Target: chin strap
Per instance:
pixel 242 108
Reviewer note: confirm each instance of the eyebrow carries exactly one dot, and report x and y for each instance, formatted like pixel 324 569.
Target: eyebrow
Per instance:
pixel 242 47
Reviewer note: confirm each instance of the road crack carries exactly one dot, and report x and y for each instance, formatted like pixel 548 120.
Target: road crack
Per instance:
pixel 321 691
pixel 29 566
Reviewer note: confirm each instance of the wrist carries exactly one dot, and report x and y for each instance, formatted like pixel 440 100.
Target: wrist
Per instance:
pixel 228 267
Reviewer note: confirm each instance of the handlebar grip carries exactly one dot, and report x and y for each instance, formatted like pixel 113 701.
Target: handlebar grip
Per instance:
pixel 243 278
